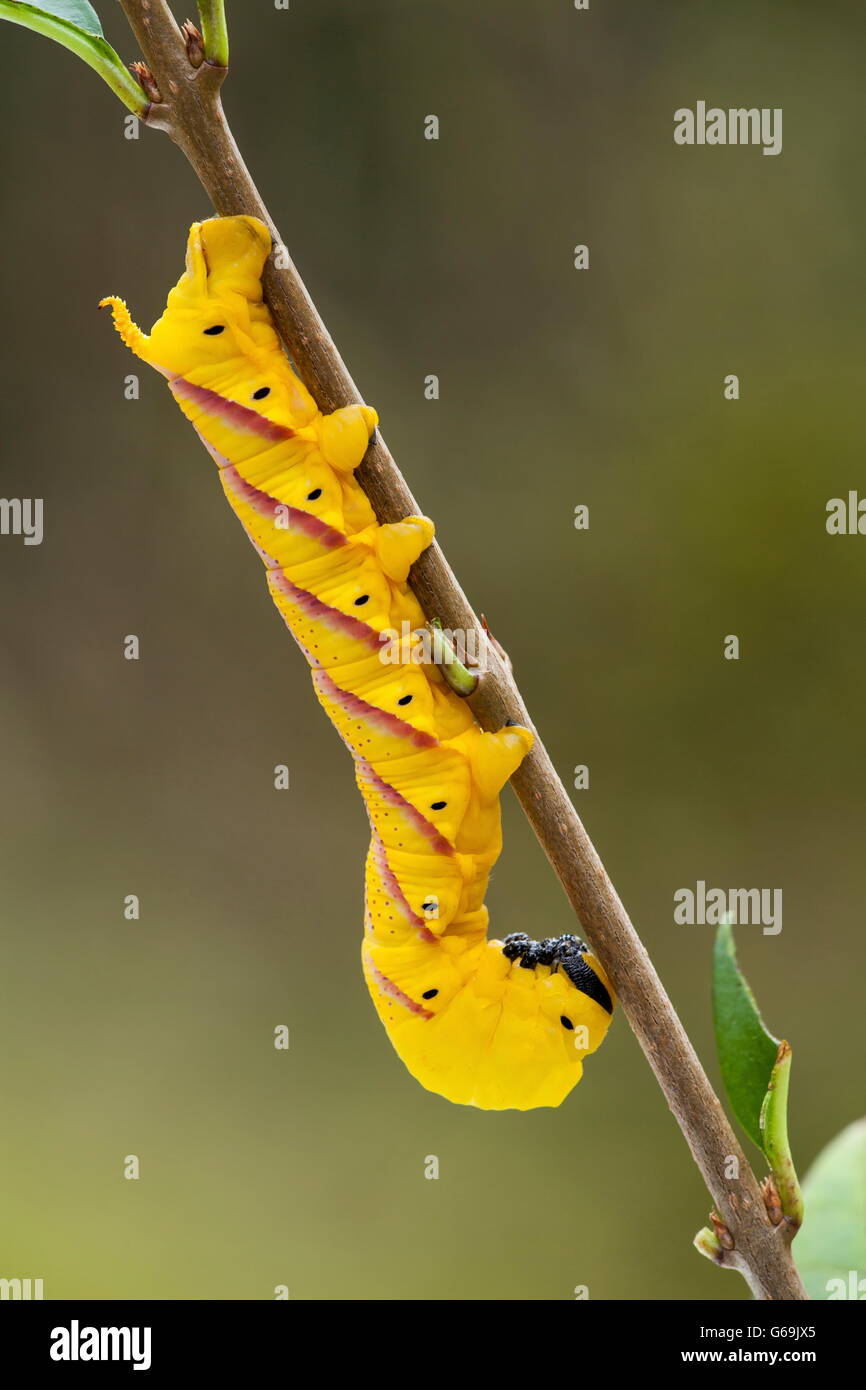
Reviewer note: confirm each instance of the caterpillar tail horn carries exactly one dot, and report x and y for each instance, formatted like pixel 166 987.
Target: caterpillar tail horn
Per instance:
pixel 133 337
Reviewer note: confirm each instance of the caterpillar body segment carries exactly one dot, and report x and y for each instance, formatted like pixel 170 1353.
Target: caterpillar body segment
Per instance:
pixel 482 1022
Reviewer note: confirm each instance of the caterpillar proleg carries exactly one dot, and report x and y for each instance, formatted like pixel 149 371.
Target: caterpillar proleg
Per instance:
pixel 495 1024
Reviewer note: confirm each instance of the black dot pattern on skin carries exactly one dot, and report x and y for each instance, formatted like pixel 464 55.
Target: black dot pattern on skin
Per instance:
pixel 438 805
pixel 261 393
pixel 217 328
pixel 429 994
pixel 316 493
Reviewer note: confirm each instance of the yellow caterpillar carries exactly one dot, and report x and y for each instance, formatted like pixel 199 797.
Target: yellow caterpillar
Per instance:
pixel 494 1024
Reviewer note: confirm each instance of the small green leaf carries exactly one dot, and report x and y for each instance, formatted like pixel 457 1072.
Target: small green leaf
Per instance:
pixel 831 1247
pixel 75 25
pixel 747 1052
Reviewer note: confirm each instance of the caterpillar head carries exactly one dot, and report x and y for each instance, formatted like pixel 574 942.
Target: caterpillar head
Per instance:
pixel 498 1025
pixel 215 316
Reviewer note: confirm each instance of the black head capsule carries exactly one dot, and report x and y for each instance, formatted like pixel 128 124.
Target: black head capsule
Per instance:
pixel 559 953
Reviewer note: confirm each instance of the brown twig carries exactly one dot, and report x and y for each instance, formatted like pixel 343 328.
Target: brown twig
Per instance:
pixel 191 112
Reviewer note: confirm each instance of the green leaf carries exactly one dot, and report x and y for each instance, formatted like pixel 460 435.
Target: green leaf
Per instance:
pixel 747 1052
pixel 75 25
pixel 832 1244
pixel 76 12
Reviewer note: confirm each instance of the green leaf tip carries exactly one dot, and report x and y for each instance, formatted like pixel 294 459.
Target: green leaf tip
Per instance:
pixel 75 25
pixel 747 1050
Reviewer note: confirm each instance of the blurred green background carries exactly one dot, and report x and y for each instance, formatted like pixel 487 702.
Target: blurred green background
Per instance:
pixel 604 387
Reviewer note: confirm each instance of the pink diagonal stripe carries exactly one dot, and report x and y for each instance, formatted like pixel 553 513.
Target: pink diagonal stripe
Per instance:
pixel 230 412
pixel 388 987
pixel 380 719
pixel 314 608
pixel 390 794
pixel 391 885
pixel 297 520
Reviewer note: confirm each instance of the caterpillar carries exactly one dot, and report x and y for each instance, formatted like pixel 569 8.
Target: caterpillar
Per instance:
pixel 494 1024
